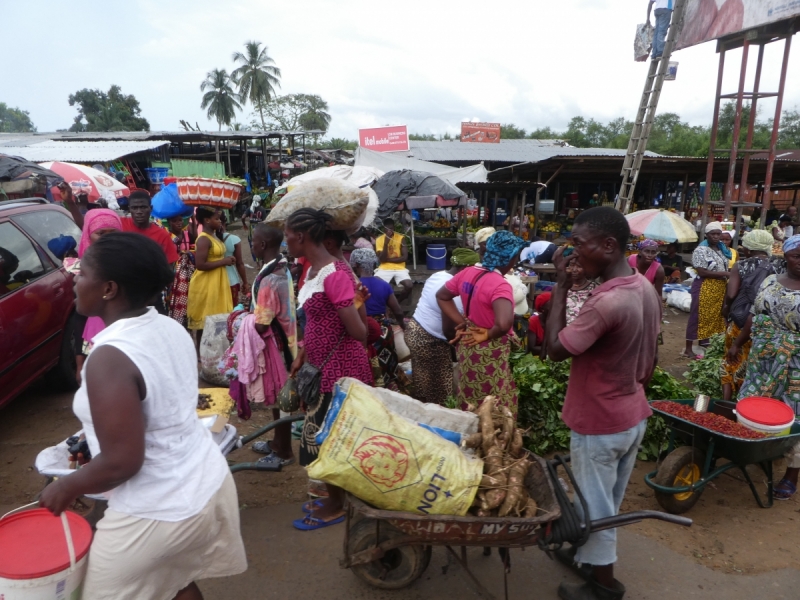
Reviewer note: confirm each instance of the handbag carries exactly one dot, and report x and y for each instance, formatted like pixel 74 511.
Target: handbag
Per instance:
pixel 309 377
pixel 288 398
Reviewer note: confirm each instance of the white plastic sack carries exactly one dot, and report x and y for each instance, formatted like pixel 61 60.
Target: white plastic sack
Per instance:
pixel 680 300
pixel 212 347
pixel 643 42
pixel 345 202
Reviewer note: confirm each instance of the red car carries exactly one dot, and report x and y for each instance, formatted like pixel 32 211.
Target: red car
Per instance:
pixel 37 304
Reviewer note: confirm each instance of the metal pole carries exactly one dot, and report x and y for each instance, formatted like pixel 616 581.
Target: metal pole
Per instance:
pixel 712 145
pixel 522 210
pixel 536 206
pixel 741 196
pixel 413 241
pixel 775 125
pixel 685 193
pixel 737 127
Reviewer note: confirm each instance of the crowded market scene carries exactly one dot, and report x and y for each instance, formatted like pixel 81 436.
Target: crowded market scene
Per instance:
pixel 484 360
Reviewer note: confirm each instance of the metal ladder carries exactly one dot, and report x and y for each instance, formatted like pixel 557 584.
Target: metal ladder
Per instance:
pixel 121 168
pixel 647 112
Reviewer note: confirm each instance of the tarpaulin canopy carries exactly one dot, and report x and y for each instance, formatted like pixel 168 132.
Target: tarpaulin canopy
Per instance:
pixel 392 161
pixel 16 168
pixel 396 186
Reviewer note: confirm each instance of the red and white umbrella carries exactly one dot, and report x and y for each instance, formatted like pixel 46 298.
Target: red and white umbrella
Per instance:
pixel 87 180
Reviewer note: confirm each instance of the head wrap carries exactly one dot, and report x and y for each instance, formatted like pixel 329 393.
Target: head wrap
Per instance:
pixel 464 257
pixel 483 234
pixel 61 245
pixel 99 218
pixel 648 244
pixel 364 258
pixel 717 226
pixel 792 243
pixel 501 247
pixel 541 300
pixel 759 240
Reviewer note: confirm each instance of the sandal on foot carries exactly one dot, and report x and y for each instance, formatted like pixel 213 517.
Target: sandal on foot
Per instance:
pixel 309 523
pixel 784 490
pixel 311 506
pixel 275 459
pixel 262 447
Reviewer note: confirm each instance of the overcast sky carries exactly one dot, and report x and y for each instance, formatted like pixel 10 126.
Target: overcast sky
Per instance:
pixel 428 64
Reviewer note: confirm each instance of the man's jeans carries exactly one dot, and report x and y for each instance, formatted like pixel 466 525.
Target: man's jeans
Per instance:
pixel 602 465
pixel 663 17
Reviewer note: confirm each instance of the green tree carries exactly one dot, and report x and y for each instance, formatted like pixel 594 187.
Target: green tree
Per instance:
pixel 107 111
pixel 509 131
pixel 15 120
pixel 423 137
pixel 221 101
pixel 544 133
pixel 316 115
pixel 762 130
pixel 257 76
pixel 343 144
pixel 789 132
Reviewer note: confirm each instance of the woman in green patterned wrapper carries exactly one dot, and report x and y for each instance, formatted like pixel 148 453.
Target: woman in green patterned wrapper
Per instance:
pixel 773 367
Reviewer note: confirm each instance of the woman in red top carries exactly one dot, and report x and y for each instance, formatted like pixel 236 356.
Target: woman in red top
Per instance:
pixel 484 336
pixel 333 340
pixel 645 263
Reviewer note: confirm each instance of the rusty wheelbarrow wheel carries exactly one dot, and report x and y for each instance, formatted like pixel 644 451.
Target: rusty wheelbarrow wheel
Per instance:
pixel 399 567
pixel 682 467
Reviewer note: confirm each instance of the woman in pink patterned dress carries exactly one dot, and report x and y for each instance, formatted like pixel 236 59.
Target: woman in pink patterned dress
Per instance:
pixel 333 340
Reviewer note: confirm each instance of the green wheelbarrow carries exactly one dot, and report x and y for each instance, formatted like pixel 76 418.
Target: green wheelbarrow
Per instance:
pixel 696 455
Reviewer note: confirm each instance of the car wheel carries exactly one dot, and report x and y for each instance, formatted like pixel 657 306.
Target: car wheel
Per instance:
pixel 64 374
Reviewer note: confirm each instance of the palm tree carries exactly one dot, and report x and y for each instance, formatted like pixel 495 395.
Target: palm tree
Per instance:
pixel 257 76
pixel 220 99
pixel 316 115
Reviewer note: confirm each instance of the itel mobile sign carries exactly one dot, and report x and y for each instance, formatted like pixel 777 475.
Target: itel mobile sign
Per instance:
pixel 384 139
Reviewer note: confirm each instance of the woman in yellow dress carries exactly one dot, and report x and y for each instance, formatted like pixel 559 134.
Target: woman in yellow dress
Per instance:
pixel 209 289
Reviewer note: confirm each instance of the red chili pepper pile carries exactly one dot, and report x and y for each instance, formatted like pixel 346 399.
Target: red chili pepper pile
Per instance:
pixel 708 420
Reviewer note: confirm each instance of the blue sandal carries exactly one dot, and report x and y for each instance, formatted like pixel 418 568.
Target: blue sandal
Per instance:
pixel 311 506
pixel 784 490
pixel 309 523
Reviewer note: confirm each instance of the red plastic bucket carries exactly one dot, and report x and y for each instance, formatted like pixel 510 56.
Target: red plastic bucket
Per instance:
pixel 765 415
pixel 37 562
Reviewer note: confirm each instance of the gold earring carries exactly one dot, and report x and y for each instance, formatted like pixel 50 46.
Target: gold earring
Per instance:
pixel 105 297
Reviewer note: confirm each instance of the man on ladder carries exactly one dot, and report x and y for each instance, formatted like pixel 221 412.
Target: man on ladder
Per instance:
pixel 663 14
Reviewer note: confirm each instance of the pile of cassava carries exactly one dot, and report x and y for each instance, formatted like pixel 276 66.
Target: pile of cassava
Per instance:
pixel 502 492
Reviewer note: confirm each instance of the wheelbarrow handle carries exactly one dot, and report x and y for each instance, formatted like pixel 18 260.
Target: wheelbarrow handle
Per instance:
pixel 246 439
pixel 637 516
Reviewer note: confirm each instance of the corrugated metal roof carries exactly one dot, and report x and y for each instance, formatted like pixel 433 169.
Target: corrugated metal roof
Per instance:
pixel 510 151
pixel 174 136
pixel 82 152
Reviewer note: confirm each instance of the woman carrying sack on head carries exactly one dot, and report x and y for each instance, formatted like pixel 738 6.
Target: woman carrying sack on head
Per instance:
pixel 334 335
pixel 484 335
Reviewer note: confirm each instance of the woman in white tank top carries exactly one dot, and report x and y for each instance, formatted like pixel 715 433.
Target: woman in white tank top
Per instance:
pixel 172 513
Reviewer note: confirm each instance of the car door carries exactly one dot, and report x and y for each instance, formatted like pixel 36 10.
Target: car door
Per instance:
pixel 32 298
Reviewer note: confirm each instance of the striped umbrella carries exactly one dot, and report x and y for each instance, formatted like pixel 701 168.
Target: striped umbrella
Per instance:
pixel 662 225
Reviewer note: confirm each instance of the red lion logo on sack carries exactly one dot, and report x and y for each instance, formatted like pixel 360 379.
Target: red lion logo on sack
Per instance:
pixel 383 459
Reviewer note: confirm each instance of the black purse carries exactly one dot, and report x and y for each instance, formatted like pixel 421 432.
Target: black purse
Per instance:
pixel 308 378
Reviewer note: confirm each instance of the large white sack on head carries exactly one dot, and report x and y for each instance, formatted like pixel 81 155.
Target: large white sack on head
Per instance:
pixel 345 202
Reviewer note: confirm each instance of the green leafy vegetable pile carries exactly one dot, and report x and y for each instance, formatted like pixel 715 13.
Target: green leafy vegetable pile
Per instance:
pixel 542 387
pixel 704 374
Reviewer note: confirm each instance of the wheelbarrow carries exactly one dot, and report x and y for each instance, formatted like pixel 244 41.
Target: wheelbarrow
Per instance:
pixel 390 549
pixel 686 470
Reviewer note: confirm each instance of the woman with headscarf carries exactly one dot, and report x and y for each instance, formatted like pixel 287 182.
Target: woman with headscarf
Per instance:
pixel 727 239
pixel 481 237
pixel 382 352
pixel 431 355
pixel 710 261
pixel 743 285
pixel 184 240
pixel 773 366
pixel 484 334
pixel 96 223
pixel 645 263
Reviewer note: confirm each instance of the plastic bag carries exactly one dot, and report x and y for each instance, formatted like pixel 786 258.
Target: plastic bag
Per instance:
pixel 393 464
pixel 167 203
pixel 643 42
pixel 213 345
pixel 346 203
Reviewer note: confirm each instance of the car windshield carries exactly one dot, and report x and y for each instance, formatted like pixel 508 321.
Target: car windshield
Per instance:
pixel 46 225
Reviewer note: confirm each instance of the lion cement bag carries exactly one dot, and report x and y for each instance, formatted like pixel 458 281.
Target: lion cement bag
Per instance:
pixel 392 463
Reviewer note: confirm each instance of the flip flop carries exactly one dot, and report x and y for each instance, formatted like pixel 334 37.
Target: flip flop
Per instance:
pixel 311 506
pixel 694 357
pixel 309 523
pixel 274 458
pixel 784 490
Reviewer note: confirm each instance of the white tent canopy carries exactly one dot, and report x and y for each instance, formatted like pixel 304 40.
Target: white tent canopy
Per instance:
pixel 392 161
